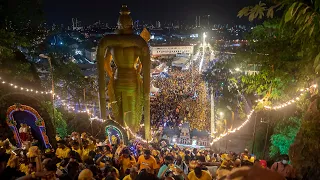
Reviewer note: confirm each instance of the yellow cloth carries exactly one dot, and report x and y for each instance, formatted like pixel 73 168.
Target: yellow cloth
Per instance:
pixel 251 159
pixel 225 157
pixel 92 146
pixel 147 163
pixel 127 177
pixel 205 176
pixel 182 155
pixel 33 151
pixel 126 163
pixel 24 168
pixel 85 174
pixel 85 154
pixel 110 155
pixel 8 151
pixel 208 158
pixel 154 152
pixel 62 153
pixel 79 151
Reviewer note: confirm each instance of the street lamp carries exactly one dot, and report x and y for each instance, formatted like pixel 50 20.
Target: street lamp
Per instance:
pixel 52 83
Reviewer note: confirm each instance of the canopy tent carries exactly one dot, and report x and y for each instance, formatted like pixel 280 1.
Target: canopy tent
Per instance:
pixel 181 62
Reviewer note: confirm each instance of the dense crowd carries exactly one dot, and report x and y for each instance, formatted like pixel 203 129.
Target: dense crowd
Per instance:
pixel 166 107
pixel 182 98
pixel 85 158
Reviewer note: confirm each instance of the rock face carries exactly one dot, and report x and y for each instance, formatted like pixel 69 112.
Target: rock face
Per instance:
pixel 10 99
pixel 304 153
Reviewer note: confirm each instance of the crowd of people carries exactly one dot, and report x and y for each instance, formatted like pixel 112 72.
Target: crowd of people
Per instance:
pixel 86 158
pixel 181 98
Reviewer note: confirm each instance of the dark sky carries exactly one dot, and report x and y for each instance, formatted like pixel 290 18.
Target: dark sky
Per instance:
pixel 89 11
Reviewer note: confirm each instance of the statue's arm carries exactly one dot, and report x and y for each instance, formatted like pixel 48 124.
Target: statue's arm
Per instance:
pixel 103 61
pixel 107 66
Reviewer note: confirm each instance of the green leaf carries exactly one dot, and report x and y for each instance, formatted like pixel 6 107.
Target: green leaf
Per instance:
pixel 289 15
pixel 305 10
pixel 297 8
pixel 270 12
pixel 311 30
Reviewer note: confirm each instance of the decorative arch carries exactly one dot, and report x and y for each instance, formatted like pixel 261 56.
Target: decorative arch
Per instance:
pixel 39 122
pixel 112 126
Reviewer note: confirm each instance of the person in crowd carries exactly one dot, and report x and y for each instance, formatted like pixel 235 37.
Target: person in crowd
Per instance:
pixel 62 150
pixel 133 174
pixel 199 174
pixel 168 160
pixel 65 163
pixel 126 161
pixel 283 167
pixel 147 161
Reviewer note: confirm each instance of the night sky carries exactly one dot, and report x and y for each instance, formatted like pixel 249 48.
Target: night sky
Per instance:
pixel 89 11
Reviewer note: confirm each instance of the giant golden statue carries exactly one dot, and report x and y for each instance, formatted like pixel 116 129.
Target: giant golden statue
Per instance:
pixel 128 87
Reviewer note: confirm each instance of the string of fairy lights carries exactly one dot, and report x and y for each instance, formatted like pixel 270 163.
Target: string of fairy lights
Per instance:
pixel 69 106
pixel 293 100
pixel 277 107
pixel 64 103
pixel 234 130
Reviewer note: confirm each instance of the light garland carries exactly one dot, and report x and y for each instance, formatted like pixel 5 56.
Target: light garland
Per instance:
pixel 36 91
pixel 303 91
pixel 293 100
pixel 25 89
pixel 234 130
pixel 68 106
pixel 125 128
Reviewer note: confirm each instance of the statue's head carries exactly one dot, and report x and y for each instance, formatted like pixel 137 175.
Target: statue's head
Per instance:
pixel 125 23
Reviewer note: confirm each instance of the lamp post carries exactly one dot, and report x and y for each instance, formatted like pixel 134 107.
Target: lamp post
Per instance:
pixel 52 84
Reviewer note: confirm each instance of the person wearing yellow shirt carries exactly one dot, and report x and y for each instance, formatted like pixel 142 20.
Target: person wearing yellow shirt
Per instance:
pixel 199 174
pixel 76 147
pixel 86 149
pixel 109 168
pixel 126 161
pixel 133 174
pixel 62 150
pixel 146 161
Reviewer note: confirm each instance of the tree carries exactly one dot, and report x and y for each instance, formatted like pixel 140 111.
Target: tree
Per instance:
pixel 282 67
pixel 253 12
pixel 284 135
pixel 303 20
pixel 303 17
pixel 59 120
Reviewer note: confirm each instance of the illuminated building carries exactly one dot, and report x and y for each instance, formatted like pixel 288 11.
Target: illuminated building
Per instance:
pixel 159 50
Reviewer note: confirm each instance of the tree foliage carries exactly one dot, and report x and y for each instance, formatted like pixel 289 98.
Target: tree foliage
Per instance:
pixel 58 119
pixel 283 70
pixel 304 19
pixel 285 132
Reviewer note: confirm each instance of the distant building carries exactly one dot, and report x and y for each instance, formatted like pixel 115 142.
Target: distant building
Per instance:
pixel 186 137
pixel 91 54
pixel 159 50
pixel 158 24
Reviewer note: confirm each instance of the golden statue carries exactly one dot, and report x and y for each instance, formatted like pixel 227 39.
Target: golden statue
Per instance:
pixel 128 92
